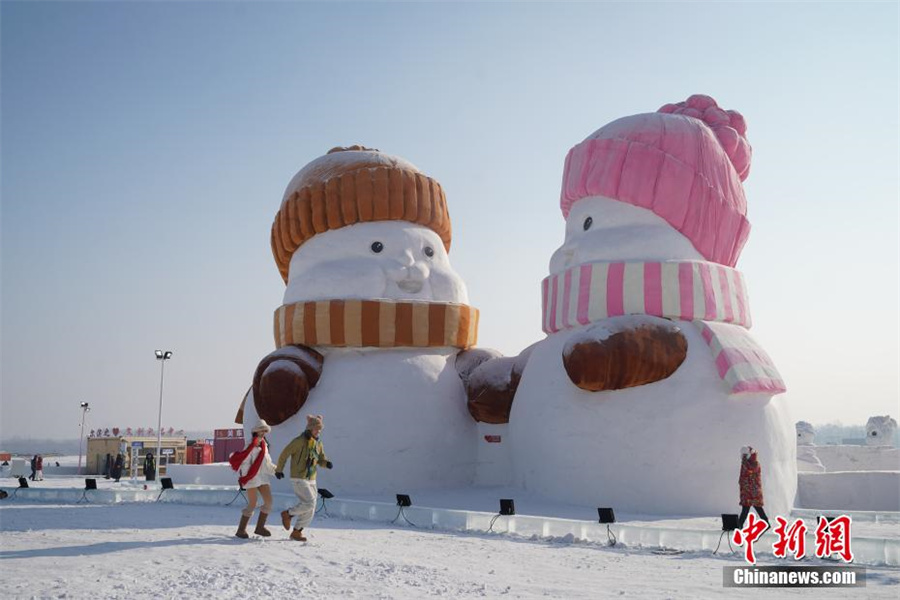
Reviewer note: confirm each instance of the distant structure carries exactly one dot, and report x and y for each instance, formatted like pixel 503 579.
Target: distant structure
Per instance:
pixel 806 434
pixel 880 431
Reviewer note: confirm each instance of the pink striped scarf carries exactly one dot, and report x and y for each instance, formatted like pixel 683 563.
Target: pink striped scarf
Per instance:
pixel 711 296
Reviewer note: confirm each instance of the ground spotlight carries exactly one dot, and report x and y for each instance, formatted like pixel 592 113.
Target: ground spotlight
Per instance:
pixel 89 484
pixel 729 523
pixel 23 484
pixel 166 485
pixel 507 509
pixel 608 515
pixel 325 494
pixel 403 501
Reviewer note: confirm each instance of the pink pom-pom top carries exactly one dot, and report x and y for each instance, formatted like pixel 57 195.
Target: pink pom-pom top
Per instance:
pixel 728 126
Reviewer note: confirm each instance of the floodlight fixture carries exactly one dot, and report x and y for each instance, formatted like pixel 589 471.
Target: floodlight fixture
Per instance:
pixel 730 522
pixel 403 501
pixel 89 484
pixel 325 494
pixel 166 485
pixel 608 515
pixel 507 508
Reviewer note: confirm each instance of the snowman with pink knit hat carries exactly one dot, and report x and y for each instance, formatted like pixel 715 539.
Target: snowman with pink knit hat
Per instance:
pixel 648 382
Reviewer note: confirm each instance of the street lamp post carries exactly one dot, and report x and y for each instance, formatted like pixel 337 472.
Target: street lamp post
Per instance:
pixel 84 408
pixel 162 356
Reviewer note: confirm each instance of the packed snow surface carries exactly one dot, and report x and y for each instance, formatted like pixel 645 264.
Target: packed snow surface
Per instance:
pixel 175 551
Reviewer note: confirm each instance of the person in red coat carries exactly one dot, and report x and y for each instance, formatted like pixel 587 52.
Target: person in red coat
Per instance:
pixel 751 485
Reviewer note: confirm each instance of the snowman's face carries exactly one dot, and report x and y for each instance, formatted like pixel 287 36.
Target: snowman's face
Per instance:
pixel 601 229
pixel 393 260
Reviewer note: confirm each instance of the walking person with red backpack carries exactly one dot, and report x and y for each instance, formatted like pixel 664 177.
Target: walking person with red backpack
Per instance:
pixel 254 467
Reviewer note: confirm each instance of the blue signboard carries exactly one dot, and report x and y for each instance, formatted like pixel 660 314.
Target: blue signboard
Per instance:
pixel 137 444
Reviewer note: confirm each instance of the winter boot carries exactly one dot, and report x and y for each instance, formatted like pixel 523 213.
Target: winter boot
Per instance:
pixel 286 520
pixel 242 528
pixel 297 535
pixel 261 525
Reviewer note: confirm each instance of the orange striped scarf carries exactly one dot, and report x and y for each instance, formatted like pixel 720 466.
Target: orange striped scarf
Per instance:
pixel 376 323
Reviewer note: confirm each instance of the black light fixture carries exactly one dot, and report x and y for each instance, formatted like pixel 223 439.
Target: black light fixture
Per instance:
pixel 325 494
pixel 507 509
pixel 403 501
pixel 240 492
pixel 89 484
pixel 166 485
pixel 608 515
pixel 730 522
pixel 23 484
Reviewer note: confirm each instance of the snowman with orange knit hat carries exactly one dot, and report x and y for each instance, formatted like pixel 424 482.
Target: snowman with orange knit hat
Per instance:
pixel 375 332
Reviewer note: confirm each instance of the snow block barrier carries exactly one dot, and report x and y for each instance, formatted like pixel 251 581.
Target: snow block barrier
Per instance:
pixel 858 458
pixel 867 550
pixel 850 490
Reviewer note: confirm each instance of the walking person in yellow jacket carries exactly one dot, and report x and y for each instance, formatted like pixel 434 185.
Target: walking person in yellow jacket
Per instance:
pixel 307 455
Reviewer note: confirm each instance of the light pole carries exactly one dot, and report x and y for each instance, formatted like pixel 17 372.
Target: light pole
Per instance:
pixel 162 356
pixel 84 408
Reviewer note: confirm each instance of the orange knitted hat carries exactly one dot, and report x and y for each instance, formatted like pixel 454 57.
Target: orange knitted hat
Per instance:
pixel 355 185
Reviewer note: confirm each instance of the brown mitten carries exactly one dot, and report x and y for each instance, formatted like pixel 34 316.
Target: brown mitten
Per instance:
pixel 491 381
pixel 621 354
pixel 282 382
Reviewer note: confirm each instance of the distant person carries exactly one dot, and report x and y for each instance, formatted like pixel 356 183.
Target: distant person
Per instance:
pixel 117 467
pixel 750 483
pixel 254 467
pixel 5 463
pixel 307 454
pixel 39 468
pixel 33 467
pixel 150 467
pixel 56 462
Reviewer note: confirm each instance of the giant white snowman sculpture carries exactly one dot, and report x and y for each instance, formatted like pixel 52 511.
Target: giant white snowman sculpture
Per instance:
pixel 648 382
pixel 372 322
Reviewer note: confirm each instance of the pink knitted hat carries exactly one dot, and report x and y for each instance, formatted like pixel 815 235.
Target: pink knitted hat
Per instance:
pixel 684 162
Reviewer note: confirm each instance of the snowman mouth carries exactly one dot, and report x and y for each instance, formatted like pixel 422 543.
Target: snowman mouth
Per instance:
pixel 410 286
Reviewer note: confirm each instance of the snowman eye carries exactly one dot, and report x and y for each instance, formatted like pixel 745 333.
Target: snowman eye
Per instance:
pixel 377 247
pixel 429 251
pixel 588 222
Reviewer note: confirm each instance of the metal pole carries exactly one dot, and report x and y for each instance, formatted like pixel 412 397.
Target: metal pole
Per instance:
pixel 162 371
pixel 81 437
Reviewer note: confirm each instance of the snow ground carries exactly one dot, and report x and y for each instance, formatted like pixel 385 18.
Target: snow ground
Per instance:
pixel 144 550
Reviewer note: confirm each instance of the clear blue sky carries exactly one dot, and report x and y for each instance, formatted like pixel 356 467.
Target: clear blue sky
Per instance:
pixel 145 148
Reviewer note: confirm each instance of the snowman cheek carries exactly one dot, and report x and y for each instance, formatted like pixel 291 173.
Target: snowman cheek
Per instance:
pixel 564 257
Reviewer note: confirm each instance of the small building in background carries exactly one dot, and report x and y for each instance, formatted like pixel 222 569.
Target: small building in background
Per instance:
pixel 227 441
pixel 199 452
pixel 134 448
